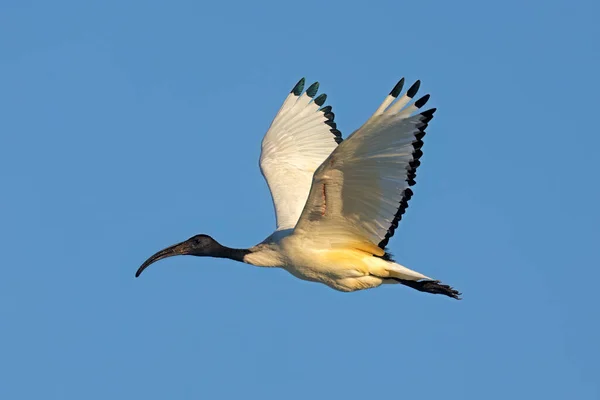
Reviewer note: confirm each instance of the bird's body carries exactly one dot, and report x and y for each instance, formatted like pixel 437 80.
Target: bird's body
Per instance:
pixel 345 268
pixel 337 202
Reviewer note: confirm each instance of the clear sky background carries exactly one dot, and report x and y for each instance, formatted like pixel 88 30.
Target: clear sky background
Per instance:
pixel 128 126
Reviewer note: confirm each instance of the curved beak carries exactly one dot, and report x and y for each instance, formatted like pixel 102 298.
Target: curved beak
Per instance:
pixel 175 250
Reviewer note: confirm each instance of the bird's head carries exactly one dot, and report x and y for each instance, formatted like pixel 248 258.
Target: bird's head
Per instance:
pixel 198 245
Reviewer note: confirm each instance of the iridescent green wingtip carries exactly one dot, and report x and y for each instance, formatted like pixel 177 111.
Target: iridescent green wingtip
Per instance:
pixel 298 88
pixel 320 99
pixel 312 89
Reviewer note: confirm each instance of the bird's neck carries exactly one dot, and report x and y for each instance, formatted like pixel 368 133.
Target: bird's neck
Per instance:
pixel 232 254
pixel 264 255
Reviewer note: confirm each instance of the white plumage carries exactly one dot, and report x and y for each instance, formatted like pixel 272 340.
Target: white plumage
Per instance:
pixel 337 202
pixel 293 148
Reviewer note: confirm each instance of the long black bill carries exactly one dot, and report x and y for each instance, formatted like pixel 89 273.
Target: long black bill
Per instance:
pixel 175 250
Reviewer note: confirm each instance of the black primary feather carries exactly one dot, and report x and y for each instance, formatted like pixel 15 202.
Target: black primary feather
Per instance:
pixel 411 173
pixel 298 88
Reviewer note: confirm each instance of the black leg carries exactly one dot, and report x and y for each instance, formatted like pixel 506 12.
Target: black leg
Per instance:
pixel 434 287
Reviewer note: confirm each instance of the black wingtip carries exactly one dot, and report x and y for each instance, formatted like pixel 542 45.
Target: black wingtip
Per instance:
pixel 312 89
pixel 413 89
pixel 421 102
pixel 398 88
pixel 320 100
pixel 326 109
pixel 414 164
pixel 298 88
pixel 337 135
pixel 428 114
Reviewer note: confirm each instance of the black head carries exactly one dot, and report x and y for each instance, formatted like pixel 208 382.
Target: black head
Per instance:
pixel 199 245
pixel 202 245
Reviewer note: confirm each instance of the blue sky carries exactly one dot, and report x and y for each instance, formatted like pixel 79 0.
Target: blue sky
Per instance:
pixel 128 126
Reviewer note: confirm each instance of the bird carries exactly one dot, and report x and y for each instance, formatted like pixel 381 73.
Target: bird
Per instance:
pixel 337 201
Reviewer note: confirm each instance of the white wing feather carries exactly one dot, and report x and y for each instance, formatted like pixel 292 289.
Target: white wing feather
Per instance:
pixel 300 137
pixel 361 190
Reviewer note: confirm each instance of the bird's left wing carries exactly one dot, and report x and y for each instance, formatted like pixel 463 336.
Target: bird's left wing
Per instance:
pixel 361 190
pixel 300 137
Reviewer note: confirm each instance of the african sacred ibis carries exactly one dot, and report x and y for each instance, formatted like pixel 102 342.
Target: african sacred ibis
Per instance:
pixel 337 202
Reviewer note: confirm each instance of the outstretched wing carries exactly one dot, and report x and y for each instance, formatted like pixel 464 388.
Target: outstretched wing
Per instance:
pixel 300 137
pixel 362 189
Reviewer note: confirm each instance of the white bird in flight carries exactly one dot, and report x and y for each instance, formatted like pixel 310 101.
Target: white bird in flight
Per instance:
pixel 337 201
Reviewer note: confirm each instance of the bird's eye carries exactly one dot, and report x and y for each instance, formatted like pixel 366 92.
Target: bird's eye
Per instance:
pixel 198 238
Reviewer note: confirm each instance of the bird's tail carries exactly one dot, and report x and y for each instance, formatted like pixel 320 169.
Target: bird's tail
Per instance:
pixel 392 272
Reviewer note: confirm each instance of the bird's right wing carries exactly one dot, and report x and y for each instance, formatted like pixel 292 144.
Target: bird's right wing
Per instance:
pixel 300 137
pixel 360 192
